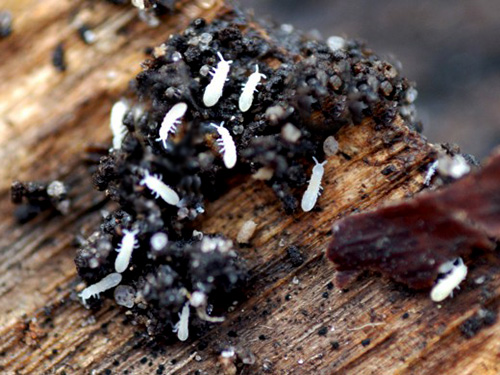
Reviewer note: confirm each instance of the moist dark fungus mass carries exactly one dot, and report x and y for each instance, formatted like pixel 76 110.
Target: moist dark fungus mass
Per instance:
pixel 307 85
pixel 170 275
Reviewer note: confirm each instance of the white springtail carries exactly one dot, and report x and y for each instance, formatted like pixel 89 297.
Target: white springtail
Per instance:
pixel 314 189
pixel 108 282
pixel 127 245
pixel 160 189
pixel 430 172
pixel 118 112
pixel 182 326
pixel 213 91
pixel 171 121
pixel 444 287
pixel 226 143
pixel 246 97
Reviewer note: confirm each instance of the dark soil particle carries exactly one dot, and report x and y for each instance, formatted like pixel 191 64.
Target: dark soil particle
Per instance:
pixel 405 315
pixel 366 342
pixel 35 197
pixel 298 90
pixel 323 331
pixel 474 324
pixel 335 345
pixel 58 58
pixel 295 255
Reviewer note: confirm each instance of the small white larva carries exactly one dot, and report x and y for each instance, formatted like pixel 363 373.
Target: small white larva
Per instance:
pixel 127 245
pixel 182 326
pixel 314 189
pixel 246 97
pixel 171 121
pixel 118 112
pixel 444 287
pixel 160 189
pixel 108 282
pixel 226 143
pixel 213 91
pixel 430 172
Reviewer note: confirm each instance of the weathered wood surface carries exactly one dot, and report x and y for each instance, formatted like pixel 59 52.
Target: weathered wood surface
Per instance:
pixel 46 120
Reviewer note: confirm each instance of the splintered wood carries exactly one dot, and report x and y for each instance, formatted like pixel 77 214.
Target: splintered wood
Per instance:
pixel 292 320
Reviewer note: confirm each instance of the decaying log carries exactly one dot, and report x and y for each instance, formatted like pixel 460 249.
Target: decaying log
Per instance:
pixel 292 321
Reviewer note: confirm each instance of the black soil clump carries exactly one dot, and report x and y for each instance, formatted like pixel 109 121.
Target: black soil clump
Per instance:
pixel 316 89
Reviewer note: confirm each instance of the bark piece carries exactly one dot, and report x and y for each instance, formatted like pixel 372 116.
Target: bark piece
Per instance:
pixel 410 240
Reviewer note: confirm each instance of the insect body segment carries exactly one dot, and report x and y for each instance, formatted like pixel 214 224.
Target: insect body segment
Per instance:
pixel 171 121
pixel 246 97
pixel 160 189
pixel 314 189
pixel 108 282
pixel 226 142
pixel 127 245
pixel 213 91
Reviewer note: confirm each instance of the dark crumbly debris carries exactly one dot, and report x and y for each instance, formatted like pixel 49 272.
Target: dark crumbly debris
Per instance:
pixel 295 256
pixel 35 197
pixel 58 58
pixel 5 23
pixel 483 318
pixel 366 342
pixel 308 85
pixel 409 241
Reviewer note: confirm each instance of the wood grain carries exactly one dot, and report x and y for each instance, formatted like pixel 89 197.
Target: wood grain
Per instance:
pixel 46 120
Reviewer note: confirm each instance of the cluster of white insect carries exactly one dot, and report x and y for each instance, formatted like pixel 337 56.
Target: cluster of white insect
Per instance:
pixel 170 122
pixel 108 282
pixel 226 143
pixel 213 92
pixel 313 191
pixel 246 97
pixel 127 245
pixel 160 189
pixel 455 272
pixel 118 112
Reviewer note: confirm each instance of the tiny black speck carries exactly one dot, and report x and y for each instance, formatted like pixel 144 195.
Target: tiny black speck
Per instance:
pixel 405 315
pixel 329 286
pixel 144 360
pixel 335 345
pixel 323 331
pixel 325 295
pixel 107 371
pixel 366 342
pixel 58 59
pixel 262 337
